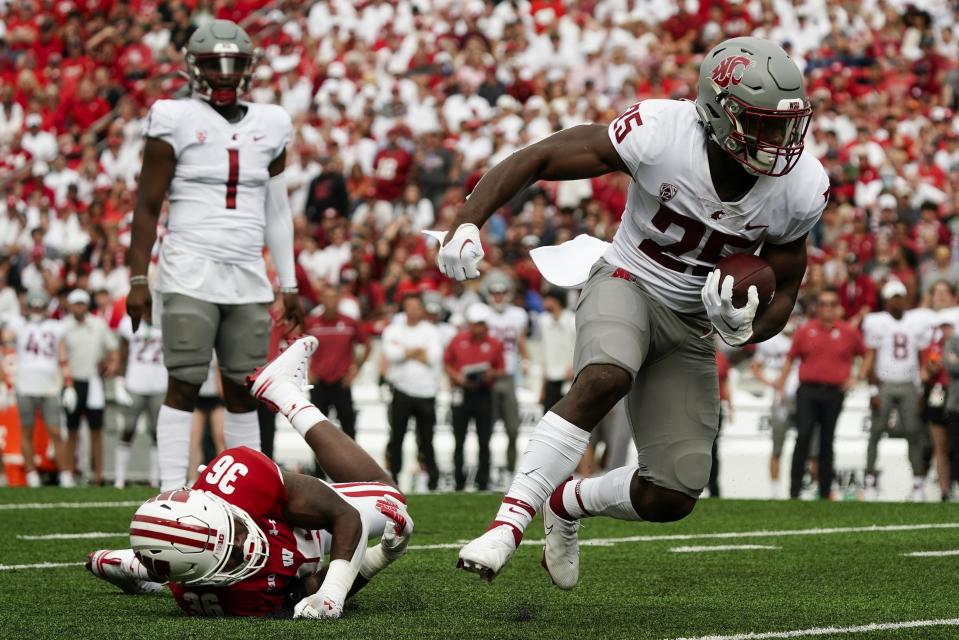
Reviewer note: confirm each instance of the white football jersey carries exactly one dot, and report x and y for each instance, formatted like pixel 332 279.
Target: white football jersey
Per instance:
pixel 38 355
pixel 507 326
pixel 897 344
pixel 216 227
pixel 675 228
pixel 772 355
pixel 145 374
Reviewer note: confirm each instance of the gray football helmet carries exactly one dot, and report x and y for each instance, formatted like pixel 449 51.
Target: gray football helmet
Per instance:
pixel 220 58
pixel 753 104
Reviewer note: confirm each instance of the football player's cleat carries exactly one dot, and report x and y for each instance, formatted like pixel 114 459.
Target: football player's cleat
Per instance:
pixel 118 568
pixel 488 554
pixel 561 551
pixel 280 383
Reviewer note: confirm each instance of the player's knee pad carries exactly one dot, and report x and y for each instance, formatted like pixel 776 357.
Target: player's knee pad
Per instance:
pixel 246 342
pixel 188 337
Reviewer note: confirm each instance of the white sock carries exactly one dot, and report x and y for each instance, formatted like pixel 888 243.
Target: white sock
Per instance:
pixel 122 462
pixel 67 480
pixel 554 450
pixel 607 495
pixel 775 489
pixel 173 446
pixel 918 482
pixel 154 476
pixel 241 430
pixel 293 403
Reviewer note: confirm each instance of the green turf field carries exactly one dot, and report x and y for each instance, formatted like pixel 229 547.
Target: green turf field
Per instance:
pixel 634 589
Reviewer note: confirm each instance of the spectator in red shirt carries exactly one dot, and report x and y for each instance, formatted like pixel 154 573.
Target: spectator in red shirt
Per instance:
pixel 336 361
pixel 857 295
pixel 391 168
pixel 473 361
pixel 825 347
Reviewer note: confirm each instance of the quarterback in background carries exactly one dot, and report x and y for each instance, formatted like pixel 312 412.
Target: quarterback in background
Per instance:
pixel 221 163
pixel 720 176
pixel 248 539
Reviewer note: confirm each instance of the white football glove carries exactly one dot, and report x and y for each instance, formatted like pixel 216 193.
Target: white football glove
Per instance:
pixel 461 253
pixel 735 326
pixel 69 399
pixel 318 606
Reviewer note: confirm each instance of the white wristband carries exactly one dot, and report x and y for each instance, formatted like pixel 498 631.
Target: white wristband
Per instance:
pixel 339 580
pixel 374 561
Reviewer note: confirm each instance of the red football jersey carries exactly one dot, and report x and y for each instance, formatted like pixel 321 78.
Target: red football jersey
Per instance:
pixel 251 481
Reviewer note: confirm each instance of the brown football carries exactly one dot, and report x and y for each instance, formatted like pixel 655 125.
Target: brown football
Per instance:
pixel 747 270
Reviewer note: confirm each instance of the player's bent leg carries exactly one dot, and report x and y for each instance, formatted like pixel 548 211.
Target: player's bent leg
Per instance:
pixel 123 569
pixel 594 392
pixel 653 503
pixel 612 341
pixel 281 385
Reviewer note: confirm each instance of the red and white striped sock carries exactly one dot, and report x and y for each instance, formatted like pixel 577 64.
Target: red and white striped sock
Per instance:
pixel 554 449
pixel 607 495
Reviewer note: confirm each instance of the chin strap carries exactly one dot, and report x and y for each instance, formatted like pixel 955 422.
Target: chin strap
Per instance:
pixel 223 97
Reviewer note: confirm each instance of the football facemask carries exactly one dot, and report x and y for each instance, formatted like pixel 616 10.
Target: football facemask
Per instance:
pixel 220 77
pixel 762 137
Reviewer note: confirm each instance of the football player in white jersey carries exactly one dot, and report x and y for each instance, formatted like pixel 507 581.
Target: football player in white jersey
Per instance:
pixel 894 338
pixel 220 161
pixel 42 373
pixel 143 382
pixel 508 324
pixel 723 175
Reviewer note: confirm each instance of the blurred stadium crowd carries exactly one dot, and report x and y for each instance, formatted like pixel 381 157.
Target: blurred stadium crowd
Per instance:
pixel 400 106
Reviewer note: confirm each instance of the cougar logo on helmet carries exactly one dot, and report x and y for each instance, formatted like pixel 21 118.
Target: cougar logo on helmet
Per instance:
pixel 731 69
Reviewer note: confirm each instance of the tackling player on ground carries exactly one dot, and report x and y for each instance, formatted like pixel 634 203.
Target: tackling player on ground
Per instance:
pixel 248 539
pixel 723 175
pixel 221 162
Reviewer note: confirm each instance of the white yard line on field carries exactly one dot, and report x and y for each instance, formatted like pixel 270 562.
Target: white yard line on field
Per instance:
pixel 723 547
pixel 763 533
pixel 932 554
pixel 68 505
pixel 607 542
pixel 76 536
pixel 823 631
pixel 39 565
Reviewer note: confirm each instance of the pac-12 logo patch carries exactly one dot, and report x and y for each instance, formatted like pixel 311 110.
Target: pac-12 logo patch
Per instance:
pixel 730 70
pixel 667 191
pixel 201 136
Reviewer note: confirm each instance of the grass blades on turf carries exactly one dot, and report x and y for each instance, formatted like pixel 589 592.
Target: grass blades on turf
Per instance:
pixel 635 590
